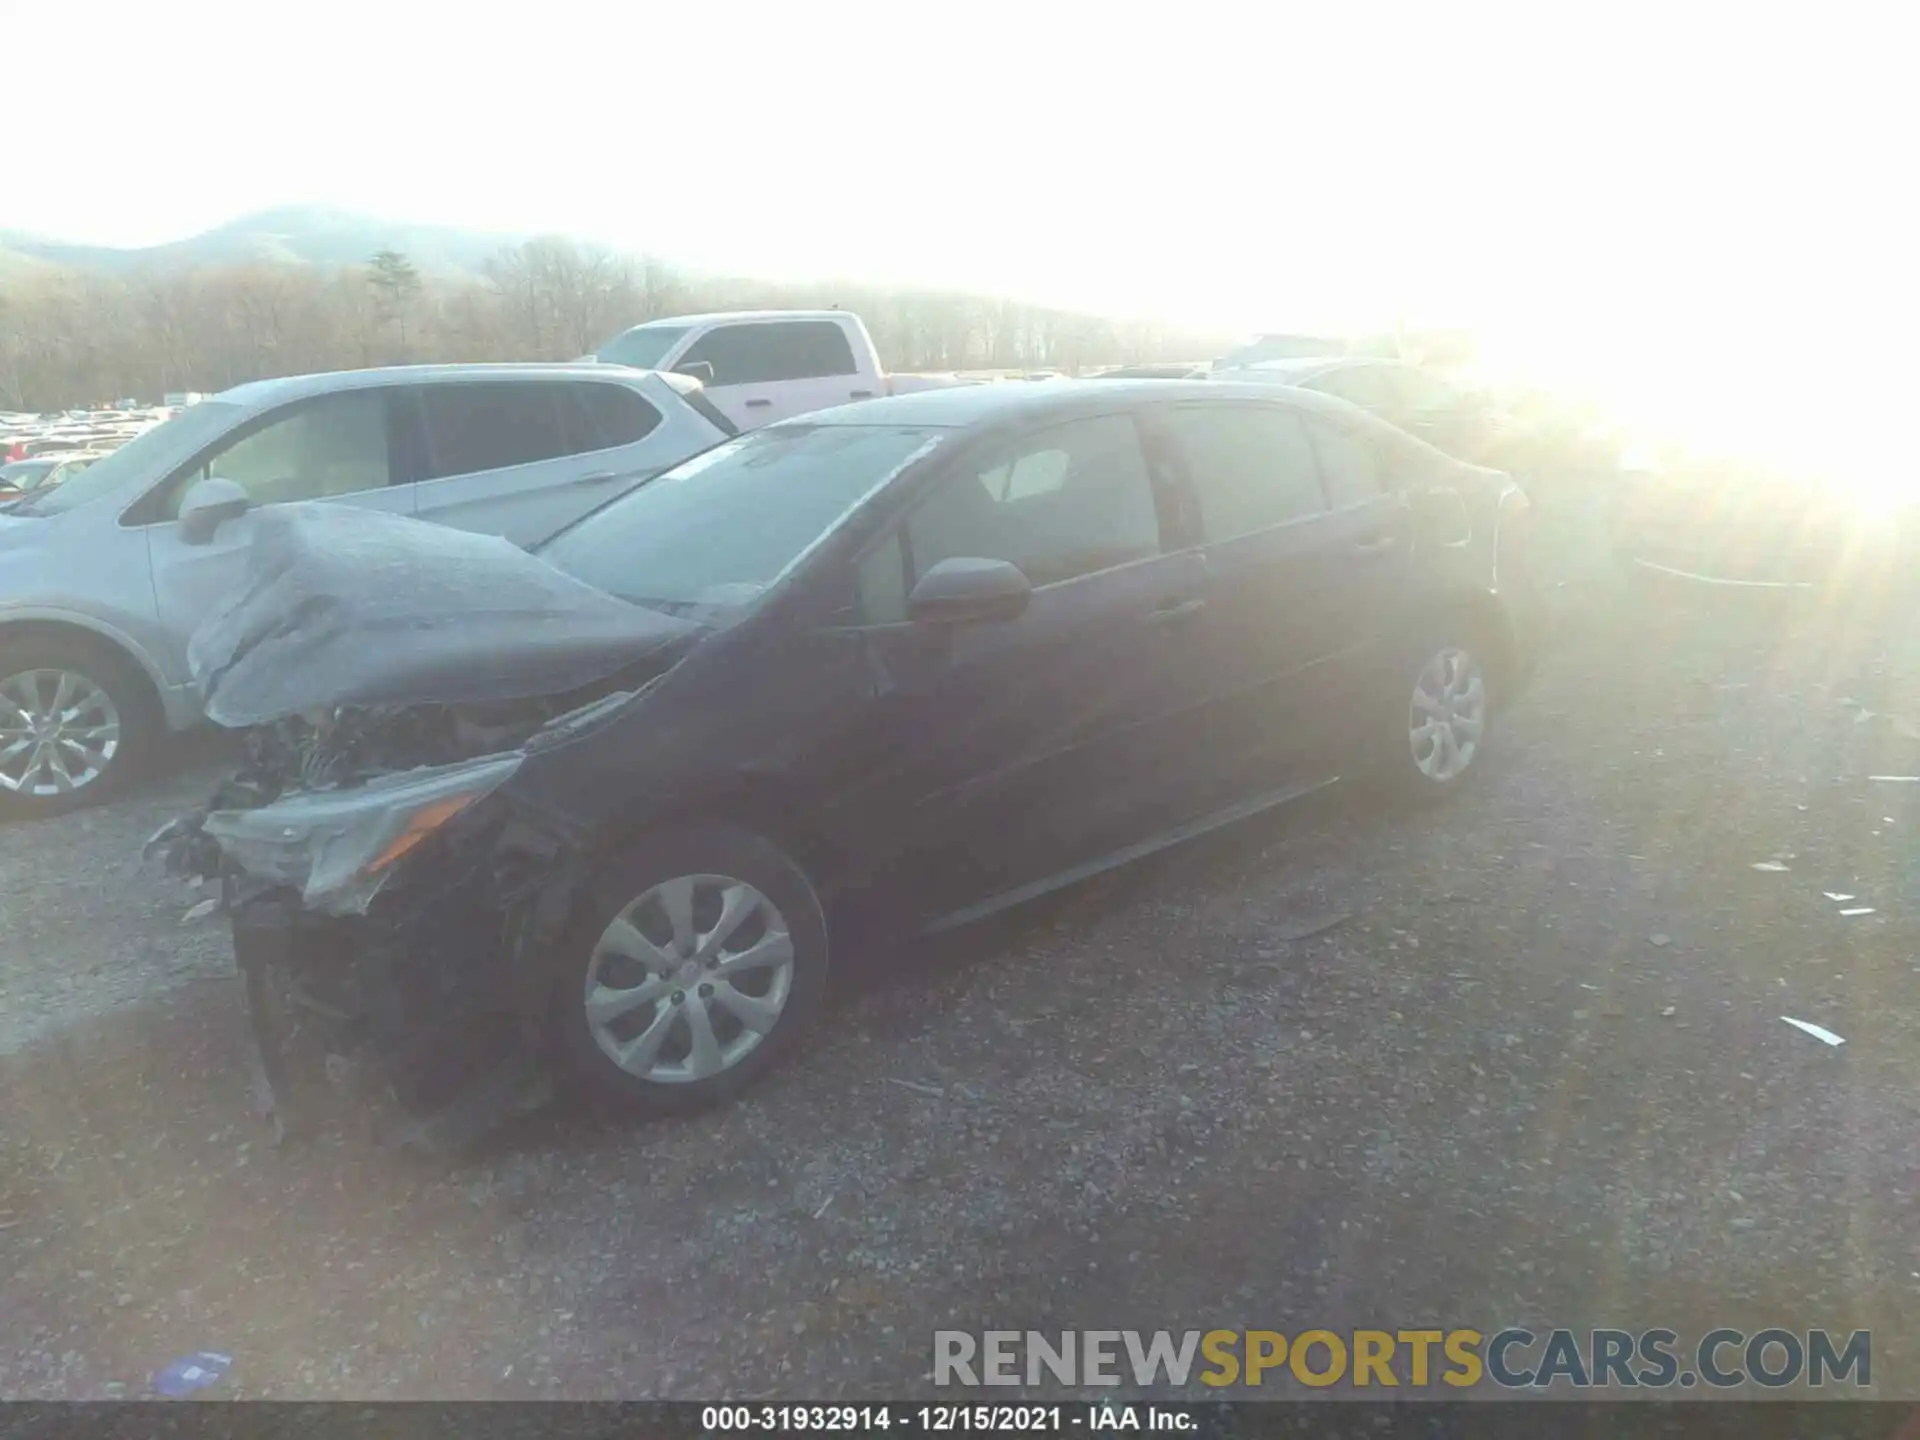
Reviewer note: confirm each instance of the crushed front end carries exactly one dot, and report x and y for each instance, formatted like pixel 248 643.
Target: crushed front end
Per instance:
pixel 392 924
pixel 393 896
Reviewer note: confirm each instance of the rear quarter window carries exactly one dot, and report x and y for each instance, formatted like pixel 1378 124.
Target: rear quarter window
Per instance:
pixel 604 417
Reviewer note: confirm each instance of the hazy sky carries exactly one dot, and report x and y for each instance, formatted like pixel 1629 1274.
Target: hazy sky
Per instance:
pixel 1593 187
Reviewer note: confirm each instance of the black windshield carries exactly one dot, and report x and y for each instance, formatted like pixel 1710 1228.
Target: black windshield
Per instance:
pixel 641 347
pixel 718 529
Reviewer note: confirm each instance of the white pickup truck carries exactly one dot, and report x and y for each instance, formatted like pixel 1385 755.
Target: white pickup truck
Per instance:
pixel 759 366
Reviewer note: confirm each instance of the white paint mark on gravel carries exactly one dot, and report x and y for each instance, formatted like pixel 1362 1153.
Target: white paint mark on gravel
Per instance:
pixel 1817 1031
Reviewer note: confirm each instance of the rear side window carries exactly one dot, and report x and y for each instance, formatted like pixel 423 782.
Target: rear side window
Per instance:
pixel 1352 467
pixel 759 352
pixel 490 426
pixel 1250 467
pixel 605 417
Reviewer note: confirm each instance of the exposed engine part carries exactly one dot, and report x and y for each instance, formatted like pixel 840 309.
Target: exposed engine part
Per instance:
pixel 338 749
pixel 343 747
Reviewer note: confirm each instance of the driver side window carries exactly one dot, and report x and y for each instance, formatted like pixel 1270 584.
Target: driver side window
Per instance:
pixel 336 445
pixel 1059 503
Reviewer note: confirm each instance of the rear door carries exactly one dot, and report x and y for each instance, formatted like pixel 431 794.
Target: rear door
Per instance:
pixel 1290 622
pixel 767 370
pixel 1000 754
pixel 356 447
pixel 525 458
pixel 1373 538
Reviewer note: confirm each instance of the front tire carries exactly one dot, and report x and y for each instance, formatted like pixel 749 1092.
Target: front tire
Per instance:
pixel 696 967
pixel 75 723
pixel 1434 737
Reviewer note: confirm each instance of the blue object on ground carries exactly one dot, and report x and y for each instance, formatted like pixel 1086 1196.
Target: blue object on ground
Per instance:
pixel 195 1372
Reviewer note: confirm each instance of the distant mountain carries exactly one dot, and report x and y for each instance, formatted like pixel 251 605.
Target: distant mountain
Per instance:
pixel 293 234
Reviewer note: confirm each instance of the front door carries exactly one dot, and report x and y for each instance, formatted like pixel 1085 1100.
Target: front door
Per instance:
pixel 354 447
pixel 998 755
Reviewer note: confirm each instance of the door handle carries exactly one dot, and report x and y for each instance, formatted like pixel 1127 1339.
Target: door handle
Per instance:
pixel 1382 545
pixel 1176 610
pixel 599 477
pixel 863 394
pixel 758 404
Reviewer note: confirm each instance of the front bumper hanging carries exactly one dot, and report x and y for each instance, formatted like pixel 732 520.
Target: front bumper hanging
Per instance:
pixel 421 1034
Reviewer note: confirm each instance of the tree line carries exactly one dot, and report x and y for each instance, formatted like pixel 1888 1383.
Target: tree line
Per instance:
pixel 73 338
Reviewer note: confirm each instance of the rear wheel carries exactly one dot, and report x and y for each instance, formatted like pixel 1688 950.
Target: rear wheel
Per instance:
pixel 75 721
pixel 698 965
pixel 1436 731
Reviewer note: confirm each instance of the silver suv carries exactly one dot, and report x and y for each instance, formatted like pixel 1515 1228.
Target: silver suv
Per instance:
pixel 103 579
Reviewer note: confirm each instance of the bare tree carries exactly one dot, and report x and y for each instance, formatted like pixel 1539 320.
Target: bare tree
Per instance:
pixel 73 338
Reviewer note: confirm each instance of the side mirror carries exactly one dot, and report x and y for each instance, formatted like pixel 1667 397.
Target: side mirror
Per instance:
pixel 699 369
pixel 208 505
pixel 965 591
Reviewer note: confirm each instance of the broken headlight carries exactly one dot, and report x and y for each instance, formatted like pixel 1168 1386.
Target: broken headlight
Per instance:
pixel 339 848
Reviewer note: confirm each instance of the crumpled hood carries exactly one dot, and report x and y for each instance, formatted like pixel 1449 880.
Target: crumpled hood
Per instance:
pixel 345 606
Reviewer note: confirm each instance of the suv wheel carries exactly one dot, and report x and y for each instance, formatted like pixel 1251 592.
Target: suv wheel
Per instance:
pixel 700 962
pixel 74 723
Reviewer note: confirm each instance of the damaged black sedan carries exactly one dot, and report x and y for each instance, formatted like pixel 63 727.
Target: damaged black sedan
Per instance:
pixel 604 814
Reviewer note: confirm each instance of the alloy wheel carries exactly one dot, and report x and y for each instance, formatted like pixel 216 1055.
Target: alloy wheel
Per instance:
pixel 1448 715
pixel 59 731
pixel 689 979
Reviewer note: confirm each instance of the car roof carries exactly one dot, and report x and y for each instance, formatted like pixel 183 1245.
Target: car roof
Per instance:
pixel 260 393
pixel 1024 401
pixel 681 322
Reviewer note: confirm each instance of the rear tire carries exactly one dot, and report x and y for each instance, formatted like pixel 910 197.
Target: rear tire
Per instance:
pixel 1433 733
pixel 698 963
pixel 76 723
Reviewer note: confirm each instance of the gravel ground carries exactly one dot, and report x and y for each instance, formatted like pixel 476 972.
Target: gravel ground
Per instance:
pixel 1537 1076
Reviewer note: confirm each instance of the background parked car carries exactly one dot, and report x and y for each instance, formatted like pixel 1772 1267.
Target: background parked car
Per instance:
pixel 41 472
pixel 1514 430
pixel 759 366
pixel 104 577
pixel 1276 346
pixel 1177 370
pixel 1447 416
